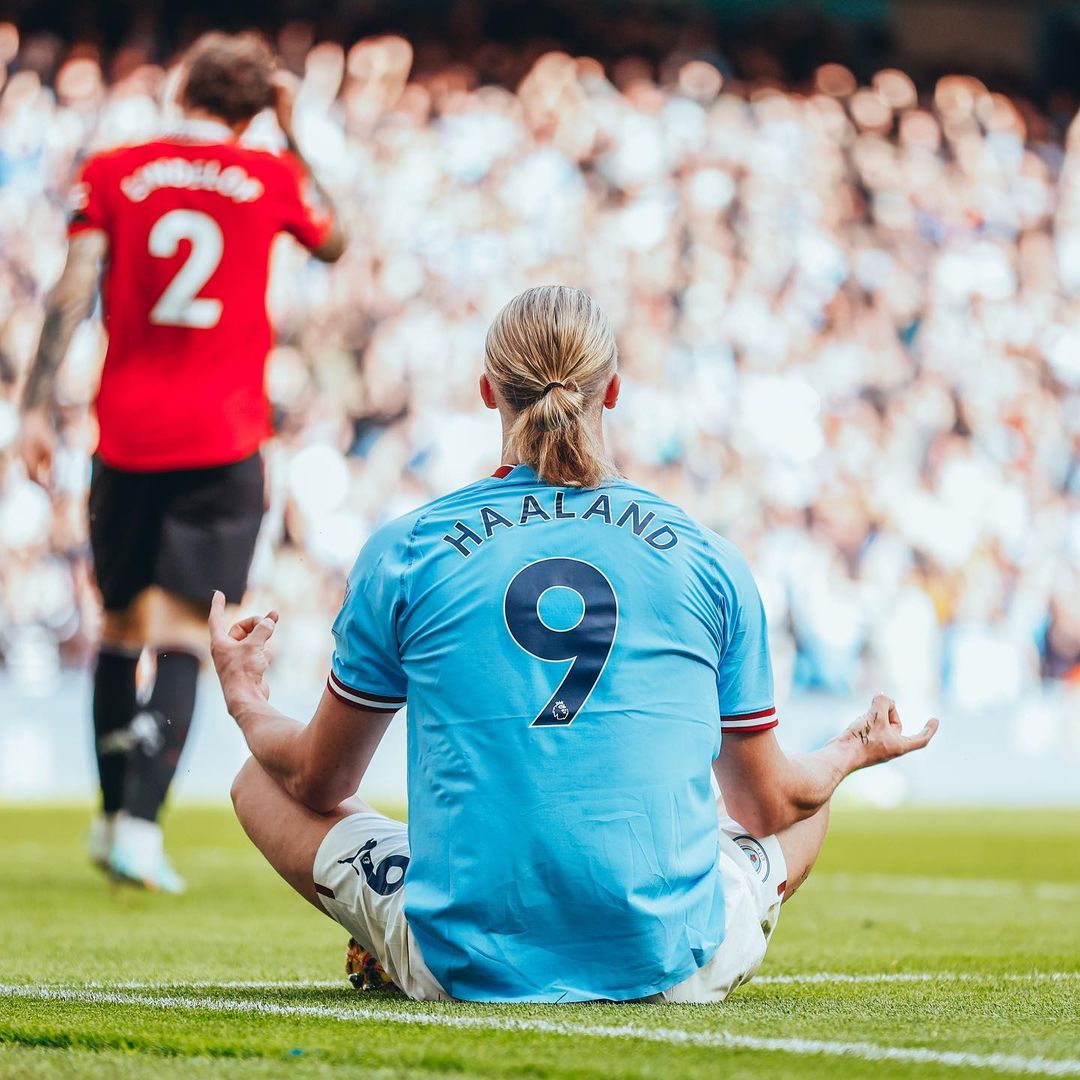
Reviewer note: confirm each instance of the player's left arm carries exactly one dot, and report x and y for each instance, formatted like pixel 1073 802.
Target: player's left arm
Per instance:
pixel 334 242
pixel 767 791
pixel 763 788
pixel 318 764
pixel 70 302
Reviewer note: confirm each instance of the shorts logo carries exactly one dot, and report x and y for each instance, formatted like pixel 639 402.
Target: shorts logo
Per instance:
pixel 559 710
pixel 387 877
pixel 754 851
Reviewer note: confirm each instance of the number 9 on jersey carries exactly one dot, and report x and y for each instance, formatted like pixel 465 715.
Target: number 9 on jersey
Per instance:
pixel 587 643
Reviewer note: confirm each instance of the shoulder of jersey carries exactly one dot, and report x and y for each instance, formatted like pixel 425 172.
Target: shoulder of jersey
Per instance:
pixel 675 513
pixel 131 150
pixel 114 153
pixel 162 143
pixel 677 516
pixel 274 159
pixel 272 166
pixel 400 528
pixel 262 153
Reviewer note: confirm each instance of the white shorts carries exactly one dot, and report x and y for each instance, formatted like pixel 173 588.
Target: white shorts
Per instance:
pixel 754 876
pixel 359 872
pixel 360 869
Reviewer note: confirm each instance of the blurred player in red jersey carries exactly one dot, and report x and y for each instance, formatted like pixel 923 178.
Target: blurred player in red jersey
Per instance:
pixel 183 226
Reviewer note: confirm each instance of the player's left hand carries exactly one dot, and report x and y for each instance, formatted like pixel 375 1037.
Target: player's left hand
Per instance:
pixel 241 653
pixel 879 736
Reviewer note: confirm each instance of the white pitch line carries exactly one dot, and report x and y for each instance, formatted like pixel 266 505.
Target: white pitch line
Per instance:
pixel 866 1051
pixel 827 977
pixel 215 984
pixel 810 978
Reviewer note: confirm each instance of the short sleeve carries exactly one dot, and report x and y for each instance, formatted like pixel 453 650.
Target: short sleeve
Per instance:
pixel 366 669
pixel 87 199
pixel 745 678
pixel 300 217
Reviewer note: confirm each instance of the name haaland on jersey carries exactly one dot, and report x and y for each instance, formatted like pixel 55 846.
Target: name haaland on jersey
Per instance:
pixel 630 516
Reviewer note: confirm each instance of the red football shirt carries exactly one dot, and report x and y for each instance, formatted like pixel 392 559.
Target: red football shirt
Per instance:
pixel 190 220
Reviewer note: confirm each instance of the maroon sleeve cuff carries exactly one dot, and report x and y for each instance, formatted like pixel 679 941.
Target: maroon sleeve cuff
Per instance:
pixel 748 722
pixel 362 699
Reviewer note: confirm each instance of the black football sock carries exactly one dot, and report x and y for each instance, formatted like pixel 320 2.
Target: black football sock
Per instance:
pixel 159 731
pixel 113 708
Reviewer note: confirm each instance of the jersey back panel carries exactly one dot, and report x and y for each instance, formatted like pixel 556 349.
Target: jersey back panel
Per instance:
pixel 563 657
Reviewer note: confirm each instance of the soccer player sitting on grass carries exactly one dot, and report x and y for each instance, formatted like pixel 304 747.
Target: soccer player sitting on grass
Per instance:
pixel 579 659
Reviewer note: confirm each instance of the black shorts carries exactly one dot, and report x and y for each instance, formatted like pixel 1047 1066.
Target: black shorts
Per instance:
pixel 189 531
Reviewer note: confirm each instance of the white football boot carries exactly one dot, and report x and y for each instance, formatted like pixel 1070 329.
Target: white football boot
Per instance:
pixel 138 856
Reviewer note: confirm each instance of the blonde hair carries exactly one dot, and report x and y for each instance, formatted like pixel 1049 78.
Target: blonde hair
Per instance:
pixel 551 354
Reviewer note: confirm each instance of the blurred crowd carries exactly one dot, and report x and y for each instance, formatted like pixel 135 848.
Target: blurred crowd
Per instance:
pixel 848 320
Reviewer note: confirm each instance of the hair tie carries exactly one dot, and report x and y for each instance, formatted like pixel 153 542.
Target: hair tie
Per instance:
pixel 551 386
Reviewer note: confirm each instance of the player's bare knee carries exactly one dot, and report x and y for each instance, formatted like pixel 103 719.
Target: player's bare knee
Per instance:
pixel 242 785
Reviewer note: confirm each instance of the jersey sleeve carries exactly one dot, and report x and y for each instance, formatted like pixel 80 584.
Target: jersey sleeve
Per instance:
pixel 88 198
pixel 366 668
pixel 301 218
pixel 744 678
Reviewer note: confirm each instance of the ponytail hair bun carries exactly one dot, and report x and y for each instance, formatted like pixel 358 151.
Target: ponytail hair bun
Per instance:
pixel 551 352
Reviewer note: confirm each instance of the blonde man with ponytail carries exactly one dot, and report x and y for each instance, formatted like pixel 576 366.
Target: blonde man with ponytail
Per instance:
pixel 579 658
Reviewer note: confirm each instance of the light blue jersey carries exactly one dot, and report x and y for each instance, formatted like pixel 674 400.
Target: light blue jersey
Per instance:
pixel 569 659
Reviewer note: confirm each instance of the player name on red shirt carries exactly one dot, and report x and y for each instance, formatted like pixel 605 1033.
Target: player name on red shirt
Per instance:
pixel 177 172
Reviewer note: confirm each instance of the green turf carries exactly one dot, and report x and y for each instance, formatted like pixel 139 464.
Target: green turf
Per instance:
pixel 986 894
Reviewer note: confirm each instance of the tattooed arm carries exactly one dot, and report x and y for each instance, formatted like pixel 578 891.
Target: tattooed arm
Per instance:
pixel 71 301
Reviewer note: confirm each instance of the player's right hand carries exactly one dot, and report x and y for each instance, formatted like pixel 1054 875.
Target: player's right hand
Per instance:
pixel 37 441
pixel 878 735
pixel 241 654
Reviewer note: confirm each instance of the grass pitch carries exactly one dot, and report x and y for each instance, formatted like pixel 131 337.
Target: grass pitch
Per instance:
pixel 925 944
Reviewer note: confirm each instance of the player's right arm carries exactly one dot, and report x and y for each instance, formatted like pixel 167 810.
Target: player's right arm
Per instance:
pixel 766 790
pixel 70 302
pixel 322 763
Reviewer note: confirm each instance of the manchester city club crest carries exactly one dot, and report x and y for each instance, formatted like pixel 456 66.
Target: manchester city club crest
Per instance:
pixel 753 850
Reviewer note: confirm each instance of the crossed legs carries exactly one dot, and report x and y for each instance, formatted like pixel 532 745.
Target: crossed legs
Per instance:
pixel 801 845
pixel 289 834
pixel 286 832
